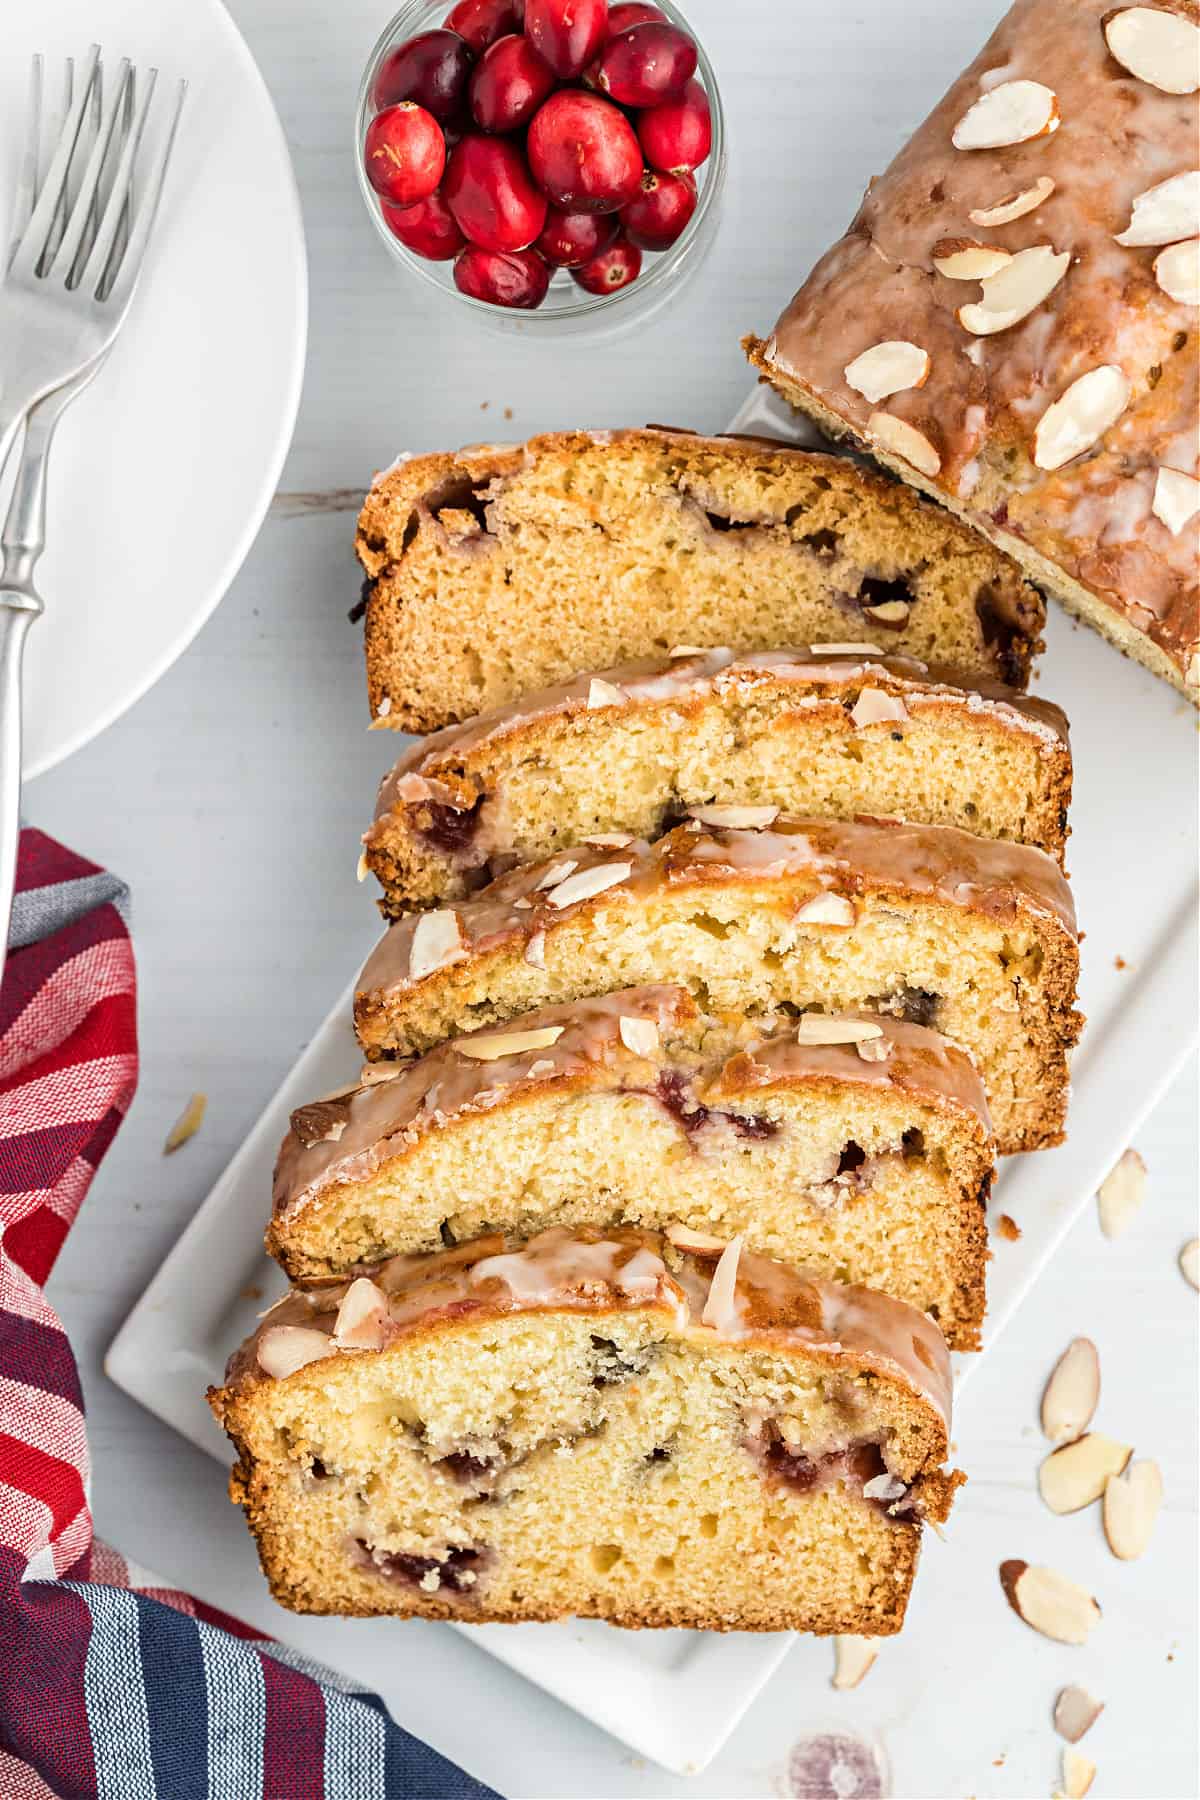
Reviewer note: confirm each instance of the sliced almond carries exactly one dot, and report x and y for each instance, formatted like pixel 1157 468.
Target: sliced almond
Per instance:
pixel 187 1124
pixel 490 1046
pixel 1078 1775
pixel 362 1318
pixel 1049 1602
pixel 1121 1194
pixel 684 1238
pixel 371 1074
pixel 1189 1261
pixel 905 441
pixel 1080 417
pixel 608 840
pixel 436 942
pixel 535 950
pixel 1176 499
pixel 1075 1476
pixel 965 259
pixel 1165 213
pixel 889 612
pixel 884 1487
pixel 874 707
pixel 720 1309
pixel 588 883
pixel 384 707
pixel 827 909
pixel 1011 113
pixel 1014 206
pixel 554 874
pixel 820 1028
pixel 603 693
pixel 887 368
pixel 847 649
pixel 1012 294
pixel 874 1049
pixel 1075 1712
pixel 1177 272
pixel 852 1658
pixel 363 868
pixel 639 1035
pixel 736 818
pixel 1161 48
pixel 1072 1392
pixel 687 650
pixel 1131 1503
pixel 285 1348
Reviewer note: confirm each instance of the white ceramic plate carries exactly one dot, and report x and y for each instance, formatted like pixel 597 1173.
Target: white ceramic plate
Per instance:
pixel 676 1696
pixel 162 470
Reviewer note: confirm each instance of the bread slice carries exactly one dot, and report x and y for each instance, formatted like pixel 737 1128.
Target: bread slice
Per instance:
pixel 867 1158
pixel 632 749
pixel 497 570
pixel 924 921
pixel 592 1424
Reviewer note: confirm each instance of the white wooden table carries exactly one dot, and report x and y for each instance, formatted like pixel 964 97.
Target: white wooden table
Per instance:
pixel 232 796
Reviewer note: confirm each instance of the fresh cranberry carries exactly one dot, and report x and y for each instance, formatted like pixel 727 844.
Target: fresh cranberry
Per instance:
pixel 661 210
pixel 631 13
pixel 404 153
pixel 427 228
pixel 571 238
pixel 647 65
pixel 489 191
pixel 481 22
pixel 678 134
pixel 509 278
pixel 615 267
pixel 431 69
pixel 568 33
pixel 509 84
pixel 583 152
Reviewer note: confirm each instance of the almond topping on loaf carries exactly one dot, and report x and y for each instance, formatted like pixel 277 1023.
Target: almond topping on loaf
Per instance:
pixel 1080 417
pixel 588 882
pixel 720 1309
pixel 639 1035
pixel 1012 113
pixel 1176 499
pixel 1177 272
pixel 819 1028
pixel 735 818
pixel 1165 213
pixel 437 941
pixel 905 440
pixel 1013 292
pixel 492 1045
pixel 827 909
pixel 1161 48
pixel 966 259
pixel 887 368
pixel 874 707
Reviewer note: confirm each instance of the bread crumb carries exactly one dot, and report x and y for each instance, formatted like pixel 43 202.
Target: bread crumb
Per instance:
pixel 1008 1228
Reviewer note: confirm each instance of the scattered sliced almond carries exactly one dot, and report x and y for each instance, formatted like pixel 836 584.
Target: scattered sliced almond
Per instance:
pixel 966 259
pixel 1078 1775
pixel 720 1309
pixel 639 1035
pixel 603 693
pixel 371 1074
pixel 1012 294
pixel 884 1487
pixel 384 707
pixel 285 1348
pixel 1161 48
pixel 889 612
pixel 1189 1261
pixel 436 941
pixel 852 1658
pixel 846 649
pixel 535 950
pixel 554 874
pixel 874 1049
pixel 362 1317
pixel 1014 206
pixel 887 368
pixel 1072 1392
pixel 187 1124
pixel 827 909
pixel 684 1238
pixel 1011 113
pixel 1075 1712
pixel 1080 417
pixel 687 650
pixel 1121 1194
pixel 588 883
pixel 874 707
pixel 1176 499
pixel 1049 1602
pixel 736 818
pixel 905 441
pixel 820 1028
pixel 1075 1476
pixel 363 867
pixel 1165 213
pixel 490 1046
pixel 1177 272
pixel 608 840
pixel 1131 1503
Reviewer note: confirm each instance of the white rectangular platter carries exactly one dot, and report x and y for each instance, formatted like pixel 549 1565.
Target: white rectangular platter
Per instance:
pixel 676 1696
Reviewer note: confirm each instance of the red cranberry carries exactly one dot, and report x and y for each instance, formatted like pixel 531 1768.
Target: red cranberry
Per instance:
pixel 509 278
pixel 631 13
pixel 583 152
pixel 567 33
pixel 481 22
pixel 678 134
pixel 489 191
pixel 427 228
pixel 647 65
pixel 509 84
pixel 431 69
pixel 615 267
pixel 404 153
pixel 661 210
pixel 569 239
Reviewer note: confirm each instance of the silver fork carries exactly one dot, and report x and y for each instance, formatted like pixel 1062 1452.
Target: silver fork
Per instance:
pixel 78 248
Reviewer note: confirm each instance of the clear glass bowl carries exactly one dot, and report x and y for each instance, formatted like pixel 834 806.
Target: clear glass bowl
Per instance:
pixel 566 308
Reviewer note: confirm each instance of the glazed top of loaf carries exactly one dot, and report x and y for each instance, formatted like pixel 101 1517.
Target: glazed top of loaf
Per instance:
pixel 348 1136
pixel 688 677
pixel 586 1269
pixel 1116 137
pixel 848 856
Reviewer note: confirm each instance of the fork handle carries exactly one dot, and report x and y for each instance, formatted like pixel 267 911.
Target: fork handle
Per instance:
pixel 17 613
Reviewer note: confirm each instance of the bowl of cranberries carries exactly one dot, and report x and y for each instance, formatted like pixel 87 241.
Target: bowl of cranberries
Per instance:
pixel 557 157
